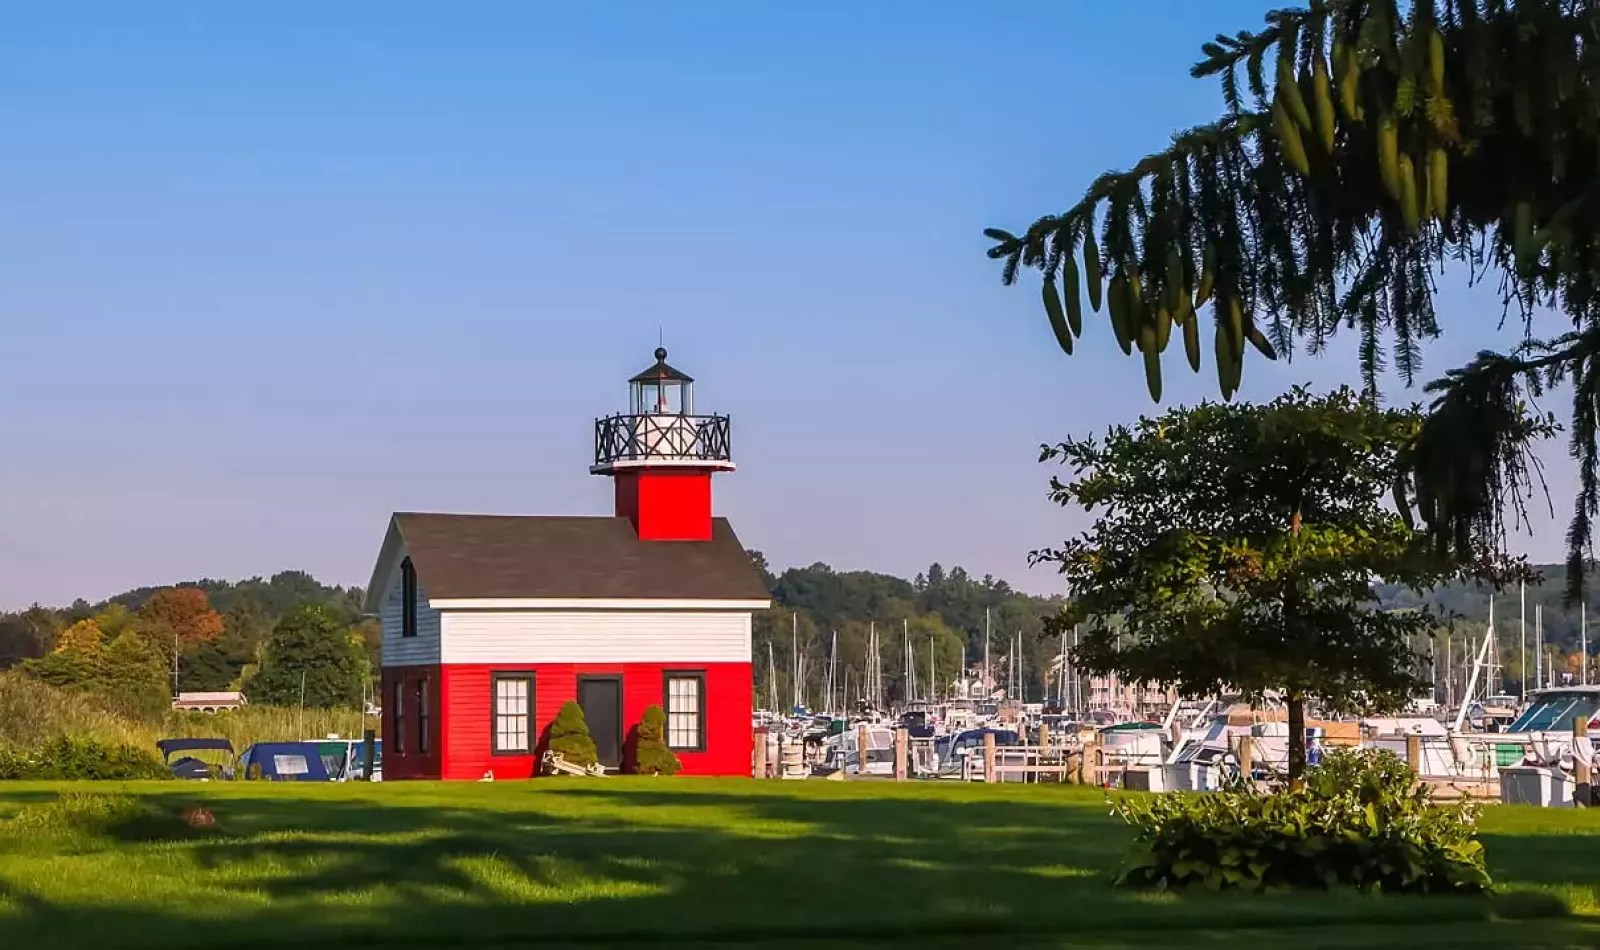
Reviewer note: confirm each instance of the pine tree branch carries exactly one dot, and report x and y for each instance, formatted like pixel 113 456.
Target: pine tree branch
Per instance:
pixel 1186 146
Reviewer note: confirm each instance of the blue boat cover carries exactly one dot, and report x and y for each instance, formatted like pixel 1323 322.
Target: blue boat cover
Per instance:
pixel 286 762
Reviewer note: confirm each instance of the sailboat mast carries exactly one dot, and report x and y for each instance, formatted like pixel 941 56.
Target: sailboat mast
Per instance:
pixel 986 647
pixel 1077 684
pixel 1538 646
pixel 1449 671
pixel 1061 672
pixel 1022 687
pixel 833 670
pixel 1433 670
pixel 772 676
pixel 911 668
pixel 1522 652
pixel 870 694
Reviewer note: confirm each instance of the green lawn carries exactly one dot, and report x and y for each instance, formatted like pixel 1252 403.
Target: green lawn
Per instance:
pixel 689 861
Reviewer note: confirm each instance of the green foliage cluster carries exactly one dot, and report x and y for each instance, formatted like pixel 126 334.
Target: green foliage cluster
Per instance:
pixel 1234 548
pixel 569 736
pixel 651 755
pixel 1362 820
pixel 311 658
pixel 128 673
pixel 74 758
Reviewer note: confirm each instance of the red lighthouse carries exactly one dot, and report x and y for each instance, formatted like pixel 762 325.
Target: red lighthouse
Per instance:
pixel 492 622
pixel 662 456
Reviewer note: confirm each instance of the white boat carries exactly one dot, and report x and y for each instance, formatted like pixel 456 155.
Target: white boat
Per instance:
pixel 843 750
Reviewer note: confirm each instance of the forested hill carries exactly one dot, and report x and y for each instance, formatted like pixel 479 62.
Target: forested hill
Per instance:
pixel 246 611
pixel 273 597
pixel 1469 605
pixel 940 612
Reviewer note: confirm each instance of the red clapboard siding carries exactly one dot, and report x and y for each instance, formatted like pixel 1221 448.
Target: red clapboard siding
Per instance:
pixel 467 741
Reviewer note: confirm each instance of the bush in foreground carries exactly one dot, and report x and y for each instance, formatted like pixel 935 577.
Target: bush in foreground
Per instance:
pixel 70 758
pixel 569 736
pixel 1362 820
pixel 651 756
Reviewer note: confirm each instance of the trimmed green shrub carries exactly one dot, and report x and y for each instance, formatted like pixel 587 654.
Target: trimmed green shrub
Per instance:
pixel 1362 820
pixel 569 736
pixel 651 755
pixel 67 757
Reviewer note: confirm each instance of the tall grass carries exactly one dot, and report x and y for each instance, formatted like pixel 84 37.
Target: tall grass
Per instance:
pixel 32 713
pixel 267 723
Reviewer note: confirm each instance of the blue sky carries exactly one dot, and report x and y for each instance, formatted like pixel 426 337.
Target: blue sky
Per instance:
pixel 269 272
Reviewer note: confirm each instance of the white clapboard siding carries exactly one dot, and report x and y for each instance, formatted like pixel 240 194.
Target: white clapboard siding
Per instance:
pixel 409 651
pixel 596 636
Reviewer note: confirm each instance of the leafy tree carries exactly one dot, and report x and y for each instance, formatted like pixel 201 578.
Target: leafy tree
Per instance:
pixel 84 637
pixel 133 677
pixel 1236 547
pixel 75 663
pixel 651 755
pixel 369 632
pixel 17 642
pixel 309 650
pixel 66 669
pixel 1365 146
pixel 569 736
pixel 115 620
pixel 206 667
pixel 185 612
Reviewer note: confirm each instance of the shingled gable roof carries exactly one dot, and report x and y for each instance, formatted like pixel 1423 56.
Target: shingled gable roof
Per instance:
pixel 459 557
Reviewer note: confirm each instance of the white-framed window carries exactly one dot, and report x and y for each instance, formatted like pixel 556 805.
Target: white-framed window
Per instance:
pixel 511 717
pixel 686 710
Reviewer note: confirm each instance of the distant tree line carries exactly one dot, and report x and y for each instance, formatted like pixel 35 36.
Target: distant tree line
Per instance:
pixel 941 612
pixel 279 640
pixel 224 634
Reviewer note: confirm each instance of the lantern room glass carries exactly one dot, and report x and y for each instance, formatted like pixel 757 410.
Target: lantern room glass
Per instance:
pixel 663 396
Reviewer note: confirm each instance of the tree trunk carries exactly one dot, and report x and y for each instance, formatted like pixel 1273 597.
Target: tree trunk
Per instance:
pixel 1297 738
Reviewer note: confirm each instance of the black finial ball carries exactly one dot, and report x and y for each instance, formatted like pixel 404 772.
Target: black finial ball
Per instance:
pixel 661 354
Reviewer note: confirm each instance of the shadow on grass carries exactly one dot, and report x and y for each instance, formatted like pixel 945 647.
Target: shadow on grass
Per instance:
pixel 547 864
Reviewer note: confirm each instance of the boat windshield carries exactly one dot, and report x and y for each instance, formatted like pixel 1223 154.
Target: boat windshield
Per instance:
pixel 1556 711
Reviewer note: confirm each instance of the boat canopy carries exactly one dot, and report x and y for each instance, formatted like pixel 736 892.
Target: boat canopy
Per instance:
pixel 1556 709
pixel 286 762
pixel 169 746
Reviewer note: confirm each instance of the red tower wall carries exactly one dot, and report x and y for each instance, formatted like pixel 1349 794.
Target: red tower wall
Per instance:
pixel 668 504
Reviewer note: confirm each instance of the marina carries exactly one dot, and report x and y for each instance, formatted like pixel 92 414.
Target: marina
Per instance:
pixel 1482 742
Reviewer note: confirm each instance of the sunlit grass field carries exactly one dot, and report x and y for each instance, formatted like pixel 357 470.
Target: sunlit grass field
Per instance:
pixel 686 862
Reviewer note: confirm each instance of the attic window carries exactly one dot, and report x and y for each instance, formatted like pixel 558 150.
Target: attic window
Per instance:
pixel 408 599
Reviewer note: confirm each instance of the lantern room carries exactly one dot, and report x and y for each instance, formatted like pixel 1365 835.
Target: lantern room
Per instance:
pixel 662 390
pixel 662 456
